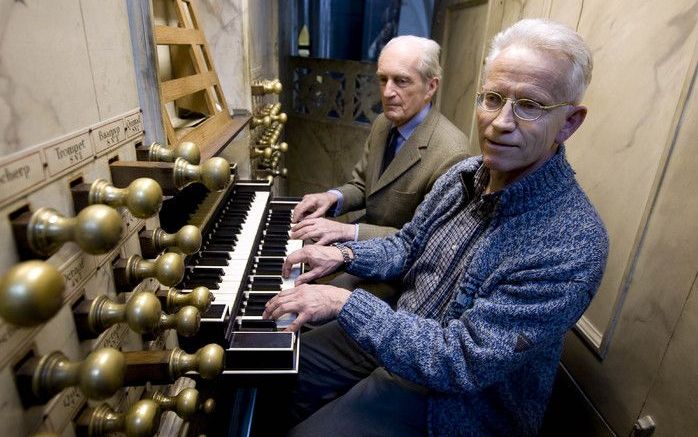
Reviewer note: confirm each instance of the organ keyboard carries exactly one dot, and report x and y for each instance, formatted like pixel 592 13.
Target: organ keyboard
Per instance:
pixel 244 244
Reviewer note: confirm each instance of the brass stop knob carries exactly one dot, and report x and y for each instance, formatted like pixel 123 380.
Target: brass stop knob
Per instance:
pixel 208 361
pixel 265 153
pixel 199 297
pixel 185 321
pixel 185 404
pixel 281 147
pixel 260 121
pixel 31 293
pixel 141 420
pixel 96 229
pixel 185 150
pixel 213 173
pixel 98 376
pixel 273 108
pixel 142 197
pixel 168 269
pixel 141 313
pixel 266 87
pixel 164 366
pixel 187 240
pixel 281 117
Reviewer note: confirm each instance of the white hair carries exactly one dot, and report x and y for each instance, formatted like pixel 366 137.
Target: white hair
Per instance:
pixel 552 37
pixel 428 63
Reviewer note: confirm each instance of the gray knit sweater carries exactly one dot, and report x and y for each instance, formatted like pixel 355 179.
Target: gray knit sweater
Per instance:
pixel 490 367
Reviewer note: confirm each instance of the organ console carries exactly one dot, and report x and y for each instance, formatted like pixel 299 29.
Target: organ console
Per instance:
pixel 169 264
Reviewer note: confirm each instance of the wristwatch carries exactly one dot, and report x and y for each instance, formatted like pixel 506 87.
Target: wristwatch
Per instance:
pixel 346 255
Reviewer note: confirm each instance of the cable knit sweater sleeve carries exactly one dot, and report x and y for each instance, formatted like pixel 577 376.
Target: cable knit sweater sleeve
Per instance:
pixel 476 350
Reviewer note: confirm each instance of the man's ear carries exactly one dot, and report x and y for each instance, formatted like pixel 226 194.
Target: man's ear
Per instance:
pixel 432 86
pixel 574 119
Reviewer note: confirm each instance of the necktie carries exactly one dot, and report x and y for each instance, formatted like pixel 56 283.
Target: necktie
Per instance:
pixel 390 146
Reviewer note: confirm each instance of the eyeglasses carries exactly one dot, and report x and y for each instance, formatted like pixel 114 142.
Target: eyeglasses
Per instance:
pixel 525 109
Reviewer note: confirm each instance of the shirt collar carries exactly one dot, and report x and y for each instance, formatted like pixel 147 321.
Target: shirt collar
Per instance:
pixel 406 129
pixel 485 203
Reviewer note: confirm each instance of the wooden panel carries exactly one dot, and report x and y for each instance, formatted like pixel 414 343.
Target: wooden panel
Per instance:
pixel 176 88
pixel 465 32
pixel 214 133
pixel 177 35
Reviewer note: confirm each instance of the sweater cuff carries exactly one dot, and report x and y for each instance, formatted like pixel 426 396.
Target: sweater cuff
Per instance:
pixel 357 311
pixel 359 263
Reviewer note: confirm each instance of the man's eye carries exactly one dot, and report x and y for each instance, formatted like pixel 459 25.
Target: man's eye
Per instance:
pixel 527 104
pixel 492 98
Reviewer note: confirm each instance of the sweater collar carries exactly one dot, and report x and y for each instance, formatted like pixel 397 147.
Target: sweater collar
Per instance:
pixel 549 181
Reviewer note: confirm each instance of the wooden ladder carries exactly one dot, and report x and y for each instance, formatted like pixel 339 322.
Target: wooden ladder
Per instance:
pixel 219 126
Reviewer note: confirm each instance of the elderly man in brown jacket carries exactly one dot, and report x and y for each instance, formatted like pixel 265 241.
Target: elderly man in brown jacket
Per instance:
pixel 410 145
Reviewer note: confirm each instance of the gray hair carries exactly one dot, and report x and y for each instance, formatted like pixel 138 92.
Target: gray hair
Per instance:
pixel 428 64
pixel 552 37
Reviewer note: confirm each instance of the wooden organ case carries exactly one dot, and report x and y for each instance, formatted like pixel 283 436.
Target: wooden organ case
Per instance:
pixel 133 273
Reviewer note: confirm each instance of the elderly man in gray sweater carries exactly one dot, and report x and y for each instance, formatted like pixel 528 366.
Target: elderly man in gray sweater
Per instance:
pixel 499 261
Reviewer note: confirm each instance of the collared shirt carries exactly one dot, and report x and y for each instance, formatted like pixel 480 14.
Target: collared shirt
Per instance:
pixel 404 133
pixel 430 284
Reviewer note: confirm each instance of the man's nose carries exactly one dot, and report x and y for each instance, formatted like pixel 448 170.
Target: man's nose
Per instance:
pixel 389 89
pixel 505 118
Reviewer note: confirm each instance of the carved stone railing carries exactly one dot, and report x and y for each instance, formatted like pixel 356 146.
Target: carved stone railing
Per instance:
pixel 345 92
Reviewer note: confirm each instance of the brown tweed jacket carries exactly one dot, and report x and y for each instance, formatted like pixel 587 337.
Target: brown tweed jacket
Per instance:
pixel 391 198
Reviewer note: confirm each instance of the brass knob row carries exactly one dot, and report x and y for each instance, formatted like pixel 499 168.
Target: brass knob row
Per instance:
pixel 143 418
pixel 268 152
pixel 142 313
pixel 106 370
pixel 270 135
pixel 270 109
pixel 268 120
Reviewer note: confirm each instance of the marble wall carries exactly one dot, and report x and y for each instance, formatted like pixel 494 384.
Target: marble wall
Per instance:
pixel 225 25
pixel 64 65
pixel 325 155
